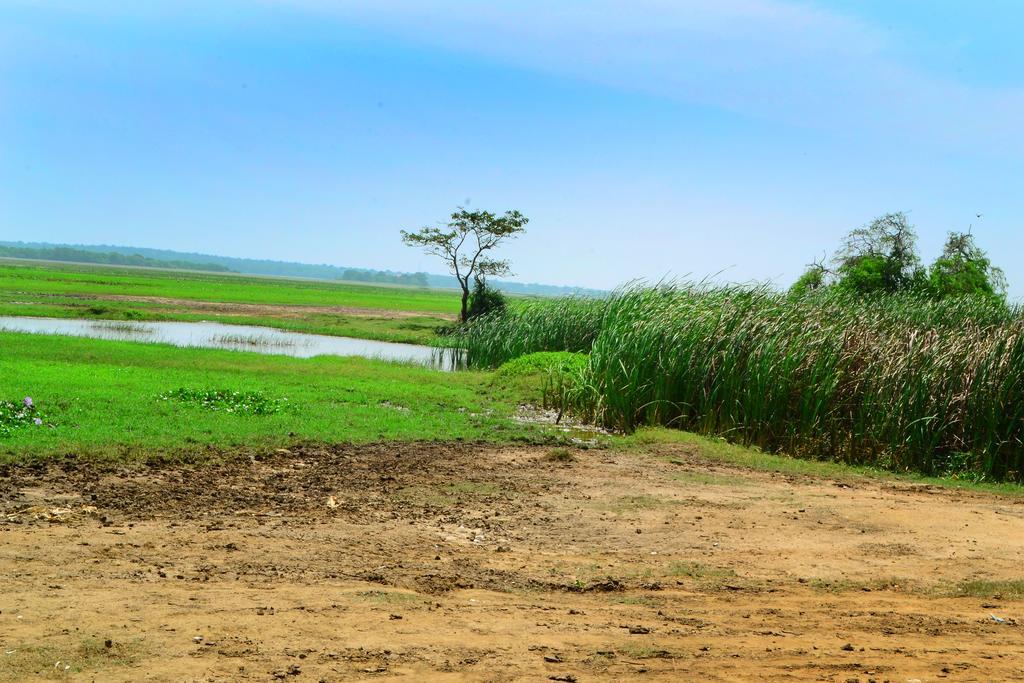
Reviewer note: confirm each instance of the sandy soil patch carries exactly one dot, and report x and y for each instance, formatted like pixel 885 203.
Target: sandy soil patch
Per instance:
pixel 466 562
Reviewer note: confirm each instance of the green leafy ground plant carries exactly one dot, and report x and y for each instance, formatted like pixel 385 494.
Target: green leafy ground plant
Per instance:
pixel 228 401
pixel 19 414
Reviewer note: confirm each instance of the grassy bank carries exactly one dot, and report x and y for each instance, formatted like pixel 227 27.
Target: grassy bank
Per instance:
pixel 899 383
pixel 112 293
pixel 131 402
pixel 119 399
pixel 84 280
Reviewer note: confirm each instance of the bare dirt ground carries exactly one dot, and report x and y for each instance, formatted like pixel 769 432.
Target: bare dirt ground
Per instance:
pixel 467 562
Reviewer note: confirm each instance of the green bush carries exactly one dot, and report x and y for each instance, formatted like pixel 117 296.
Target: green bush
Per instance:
pixel 543 362
pixel 483 300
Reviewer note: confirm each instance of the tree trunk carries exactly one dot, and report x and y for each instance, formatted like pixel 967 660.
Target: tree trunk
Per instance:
pixel 465 303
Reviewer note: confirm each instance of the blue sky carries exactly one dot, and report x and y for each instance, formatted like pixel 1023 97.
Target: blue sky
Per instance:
pixel 736 138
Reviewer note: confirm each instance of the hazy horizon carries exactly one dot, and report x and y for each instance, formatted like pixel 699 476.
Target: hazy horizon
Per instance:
pixel 643 139
pixel 183 256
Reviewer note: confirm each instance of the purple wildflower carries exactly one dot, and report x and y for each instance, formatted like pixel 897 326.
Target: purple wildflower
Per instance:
pixel 39 422
pixel 28 402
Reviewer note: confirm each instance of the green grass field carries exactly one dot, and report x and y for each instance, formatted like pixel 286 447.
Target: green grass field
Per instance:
pixel 102 398
pixel 81 280
pixel 387 313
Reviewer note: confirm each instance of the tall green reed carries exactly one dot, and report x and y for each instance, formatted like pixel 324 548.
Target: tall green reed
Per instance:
pixel 898 381
pixel 562 324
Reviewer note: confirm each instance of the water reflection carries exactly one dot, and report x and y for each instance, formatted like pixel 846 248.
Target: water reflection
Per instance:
pixel 211 335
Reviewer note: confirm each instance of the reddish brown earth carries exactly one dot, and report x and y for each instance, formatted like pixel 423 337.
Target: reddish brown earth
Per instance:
pixel 469 563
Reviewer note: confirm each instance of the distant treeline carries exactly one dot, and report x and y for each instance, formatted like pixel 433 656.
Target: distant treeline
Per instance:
pixel 108 258
pixel 385 277
pixel 165 257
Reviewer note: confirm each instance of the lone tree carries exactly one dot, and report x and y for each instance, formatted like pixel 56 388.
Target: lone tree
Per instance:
pixel 465 244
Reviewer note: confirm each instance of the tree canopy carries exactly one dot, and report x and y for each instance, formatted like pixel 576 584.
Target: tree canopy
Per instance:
pixel 879 257
pixel 466 244
pixel 963 268
pixel 882 257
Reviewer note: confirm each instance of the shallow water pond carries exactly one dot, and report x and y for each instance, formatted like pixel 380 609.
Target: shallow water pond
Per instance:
pixel 211 335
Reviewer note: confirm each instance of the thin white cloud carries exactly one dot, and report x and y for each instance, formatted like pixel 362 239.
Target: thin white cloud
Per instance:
pixel 786 61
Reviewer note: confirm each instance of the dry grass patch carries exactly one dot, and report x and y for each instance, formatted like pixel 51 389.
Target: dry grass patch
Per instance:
pixel 984 588
pixel 65 663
